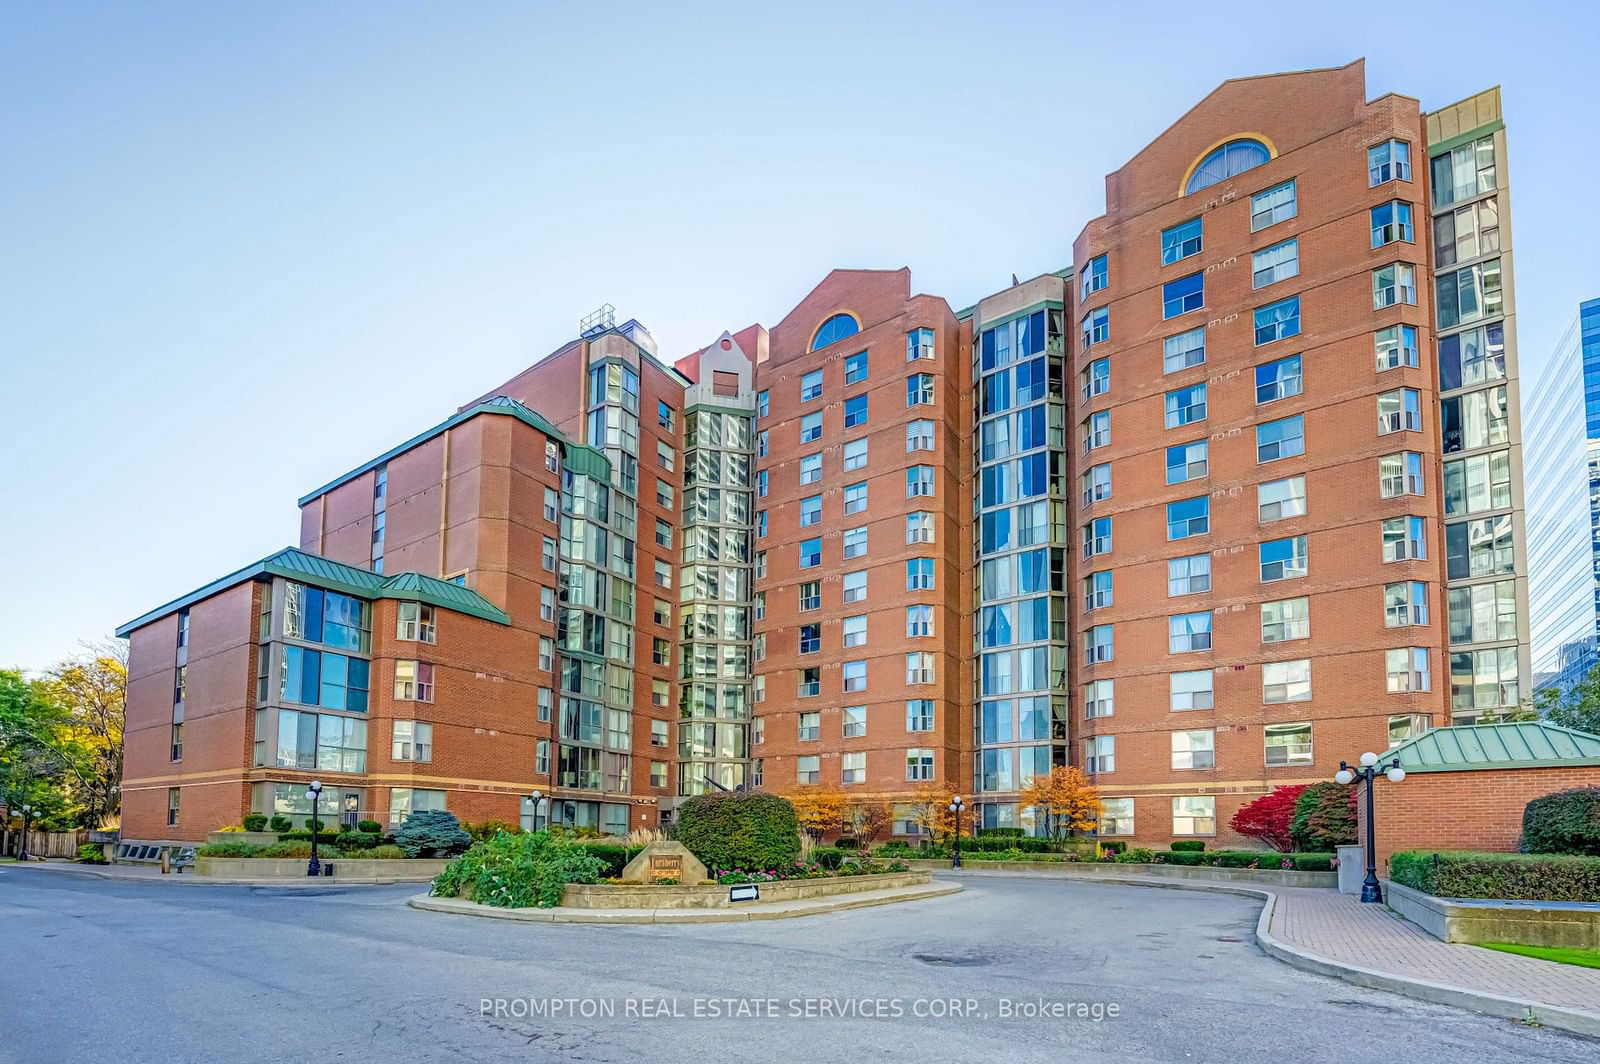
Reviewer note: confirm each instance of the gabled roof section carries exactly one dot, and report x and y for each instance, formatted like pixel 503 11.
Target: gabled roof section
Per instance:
pixel 1526 744
pixel 499 404
pixel 292 563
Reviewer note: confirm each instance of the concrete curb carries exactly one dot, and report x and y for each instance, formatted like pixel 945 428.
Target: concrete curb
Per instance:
pixel 1577 1021
pixel 772 911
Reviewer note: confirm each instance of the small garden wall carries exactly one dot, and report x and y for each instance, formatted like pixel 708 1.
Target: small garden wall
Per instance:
pixel 716 895
pixel 352 870
pixel 1525 923
pixel 1106 869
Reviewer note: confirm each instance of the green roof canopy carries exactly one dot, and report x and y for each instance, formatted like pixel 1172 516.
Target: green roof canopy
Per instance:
pixel 1526 744
pixel 295 564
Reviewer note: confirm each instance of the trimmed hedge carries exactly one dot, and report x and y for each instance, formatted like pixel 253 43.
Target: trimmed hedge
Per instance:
pixel 1514 876
pixel 229 849
pixel 1188 844
pixel 1563 822
pixel 1013 833
pixel 369 825
pixel 255 822
pixel 431 833
pixel 753 832
pixel 615 856
pixel 280 824
pixel 1298 862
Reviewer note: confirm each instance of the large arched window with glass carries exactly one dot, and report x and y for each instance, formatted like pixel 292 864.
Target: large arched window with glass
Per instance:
pixel 834 329
pixel 1233 158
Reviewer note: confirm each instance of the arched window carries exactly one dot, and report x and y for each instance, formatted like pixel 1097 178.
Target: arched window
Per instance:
pixel 1234 157
pixel 835 329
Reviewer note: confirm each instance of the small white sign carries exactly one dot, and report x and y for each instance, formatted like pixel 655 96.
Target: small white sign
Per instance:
pixel 747 892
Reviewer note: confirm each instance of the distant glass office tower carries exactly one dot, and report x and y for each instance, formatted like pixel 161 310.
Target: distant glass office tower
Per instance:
pixel 1563 433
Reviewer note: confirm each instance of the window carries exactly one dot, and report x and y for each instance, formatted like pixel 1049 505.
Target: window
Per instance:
pixel 663 534
pixel 173 801
pixel 1100 754
pixel 1470 293
pixel 1404 726
pixel 1277 321
pixel 1483 680
pixel 552 504
pixel 1396 346
pixel 1186 405
pixel 1288 744
pixel 919 481
pixel 760 604
pixel 1477 419
pixel 1389 161
pixel 919 622
pixel 414 623
pixel 1097 591
pixel 1181 241
pixel 1286 681
pixel 545 697
pixel 855 498
pixel 811 511
pixel 1189 632
pixel 413 681
pixel 1189 575
pixel 1095 483
pixel 1283 438
pixel 1099 699
pixel 1097 537
pixel 919 527
pixel 663 574
pixel 1096 326
pixel 855 675
pixel 810 595
pixel 1097 430
pixel 1276 263
pixel 855 454
pixel 1194 816
pixel 1406 603
pixel 1406 669
pixel 762 408
pixel 855 368
pixel 1230 160
pixel 833 330
pixel 403 801
pixel 761 526
pixel 761 443
pixel 661 613
pixel 919 668
pixel 1093 277
pixel 919 764
pixel 412 741
pixel 1280 499
pixel 1098 644
pixel 1466 233
pixel 919 437
pixel 1285 620
pixel 1482 482
pixel 1464 172
pixel 810 553
pixel 1096 378
pixel 919 389
pixel 1478 548
pixel 1116 817
pixel 1188 517
pixel 1183 295
pixel 919 715
pixel 808 769
pixel 855 542
pixel 665 416
pixel 547 554
pixel 855 411
pixel 660 651
pixel 919 344
pixel 809 685
pixel 1278 380
pixel 666 457
pixel 1401 474
pixel 854 630
pixel 853 767
pixel 1391 224
pixel 547 604
pixel 811 427
pixel 855 587
pixel 658 733
pixel 810 473
pixel 1190 691
pixel 176 752
pixel 1184 350
pixel 1273 205
pixel 1403 539
pixel 664 494
pixel 1194 749
pixel 1399 410
pixel 1397 283
pixel 1283 559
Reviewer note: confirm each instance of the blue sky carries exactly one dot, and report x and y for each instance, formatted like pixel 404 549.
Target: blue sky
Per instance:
pixel 246 247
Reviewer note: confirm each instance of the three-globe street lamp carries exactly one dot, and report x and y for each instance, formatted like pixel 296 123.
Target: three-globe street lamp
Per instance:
pixel 27 814
pixel 956 805
pixel 1370 890
pixel 314 792
pixel 534 799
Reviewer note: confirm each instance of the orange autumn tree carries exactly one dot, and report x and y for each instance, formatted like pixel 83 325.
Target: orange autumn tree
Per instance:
pixel 1064 800
pixel 866 820
pixel 820 808
pixel 928 807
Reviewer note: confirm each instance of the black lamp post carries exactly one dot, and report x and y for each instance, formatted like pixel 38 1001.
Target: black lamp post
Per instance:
pixel 956 805
pixel 314 792
pixel 27 817
pixel 1370 890
pixel 535 798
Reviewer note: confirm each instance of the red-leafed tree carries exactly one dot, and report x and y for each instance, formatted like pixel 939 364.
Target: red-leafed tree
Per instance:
pixel 1269 818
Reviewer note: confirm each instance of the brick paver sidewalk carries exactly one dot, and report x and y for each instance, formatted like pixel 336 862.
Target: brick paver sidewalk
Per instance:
pixel 1341 928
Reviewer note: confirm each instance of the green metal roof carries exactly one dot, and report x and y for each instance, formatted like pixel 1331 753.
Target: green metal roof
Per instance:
pixel 295 564
pixel 1526 744
pixel 500 404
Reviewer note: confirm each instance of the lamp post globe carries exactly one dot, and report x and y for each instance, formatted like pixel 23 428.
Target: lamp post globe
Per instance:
pixel 535 796
pixel 314 792
pixel 1395 774
pixel 956 805
pixel 1369 759
pixel 1344 776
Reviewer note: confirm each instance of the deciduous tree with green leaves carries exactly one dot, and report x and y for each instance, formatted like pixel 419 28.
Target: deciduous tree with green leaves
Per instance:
pixel 1576 707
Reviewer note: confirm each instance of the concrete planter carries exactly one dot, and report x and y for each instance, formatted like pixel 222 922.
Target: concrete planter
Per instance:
pixel 1092 869
pixel 345 871
pixel 715 895
pixel 1526 923
pixel 253 838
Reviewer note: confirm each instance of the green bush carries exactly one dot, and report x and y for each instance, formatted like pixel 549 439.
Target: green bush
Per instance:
pixel 369 825
pixel 1187 858
pixel 1181 845
pixel 288 849
pixel 280 824
pixel 1005 832
pixel 1324 817
pixel 517 871
pixel 323 838
pixel 1563 822
pixel 91 853
pixel 1136 856
pixel 1527 877
pixel 431 833
pixel 1113 847
pixel 748 831
pixel 388 852
pixel 322 825
pixel 613 855
pixel 488 829
pixel 355 840
pixel 829 857
pixel 229 849
pixel 255 822
pixel 1311 862
pixel 847 842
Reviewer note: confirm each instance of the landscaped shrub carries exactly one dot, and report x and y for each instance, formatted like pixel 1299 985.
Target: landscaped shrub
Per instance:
pixel 1269 818
pixel 321 825
pixel 488 829
pixel 355 840
pixel 323 838
pixel 228 849
pixel 1113 847
pixel 614 856
pixel 847 842
pixel 431 833
pixel 1530 877
pixel 517 871
pixel 91 853
pixel 1186 858
pixel 280 824
pixel 752 831
pixel 388 852
pixel 1325 817
pixel 1136 856
pixel 1563 822
pixel 829 857
pixel 1189 844
pixel 369 825
pixel 1008 832
pixel 255 822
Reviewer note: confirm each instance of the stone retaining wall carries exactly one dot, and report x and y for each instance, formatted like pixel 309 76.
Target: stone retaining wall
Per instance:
pixel 1525 923
pixel 715 895
pixel 1089 869
pixel 420 870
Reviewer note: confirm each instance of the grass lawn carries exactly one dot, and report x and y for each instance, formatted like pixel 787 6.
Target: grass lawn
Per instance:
pixel 1584 958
